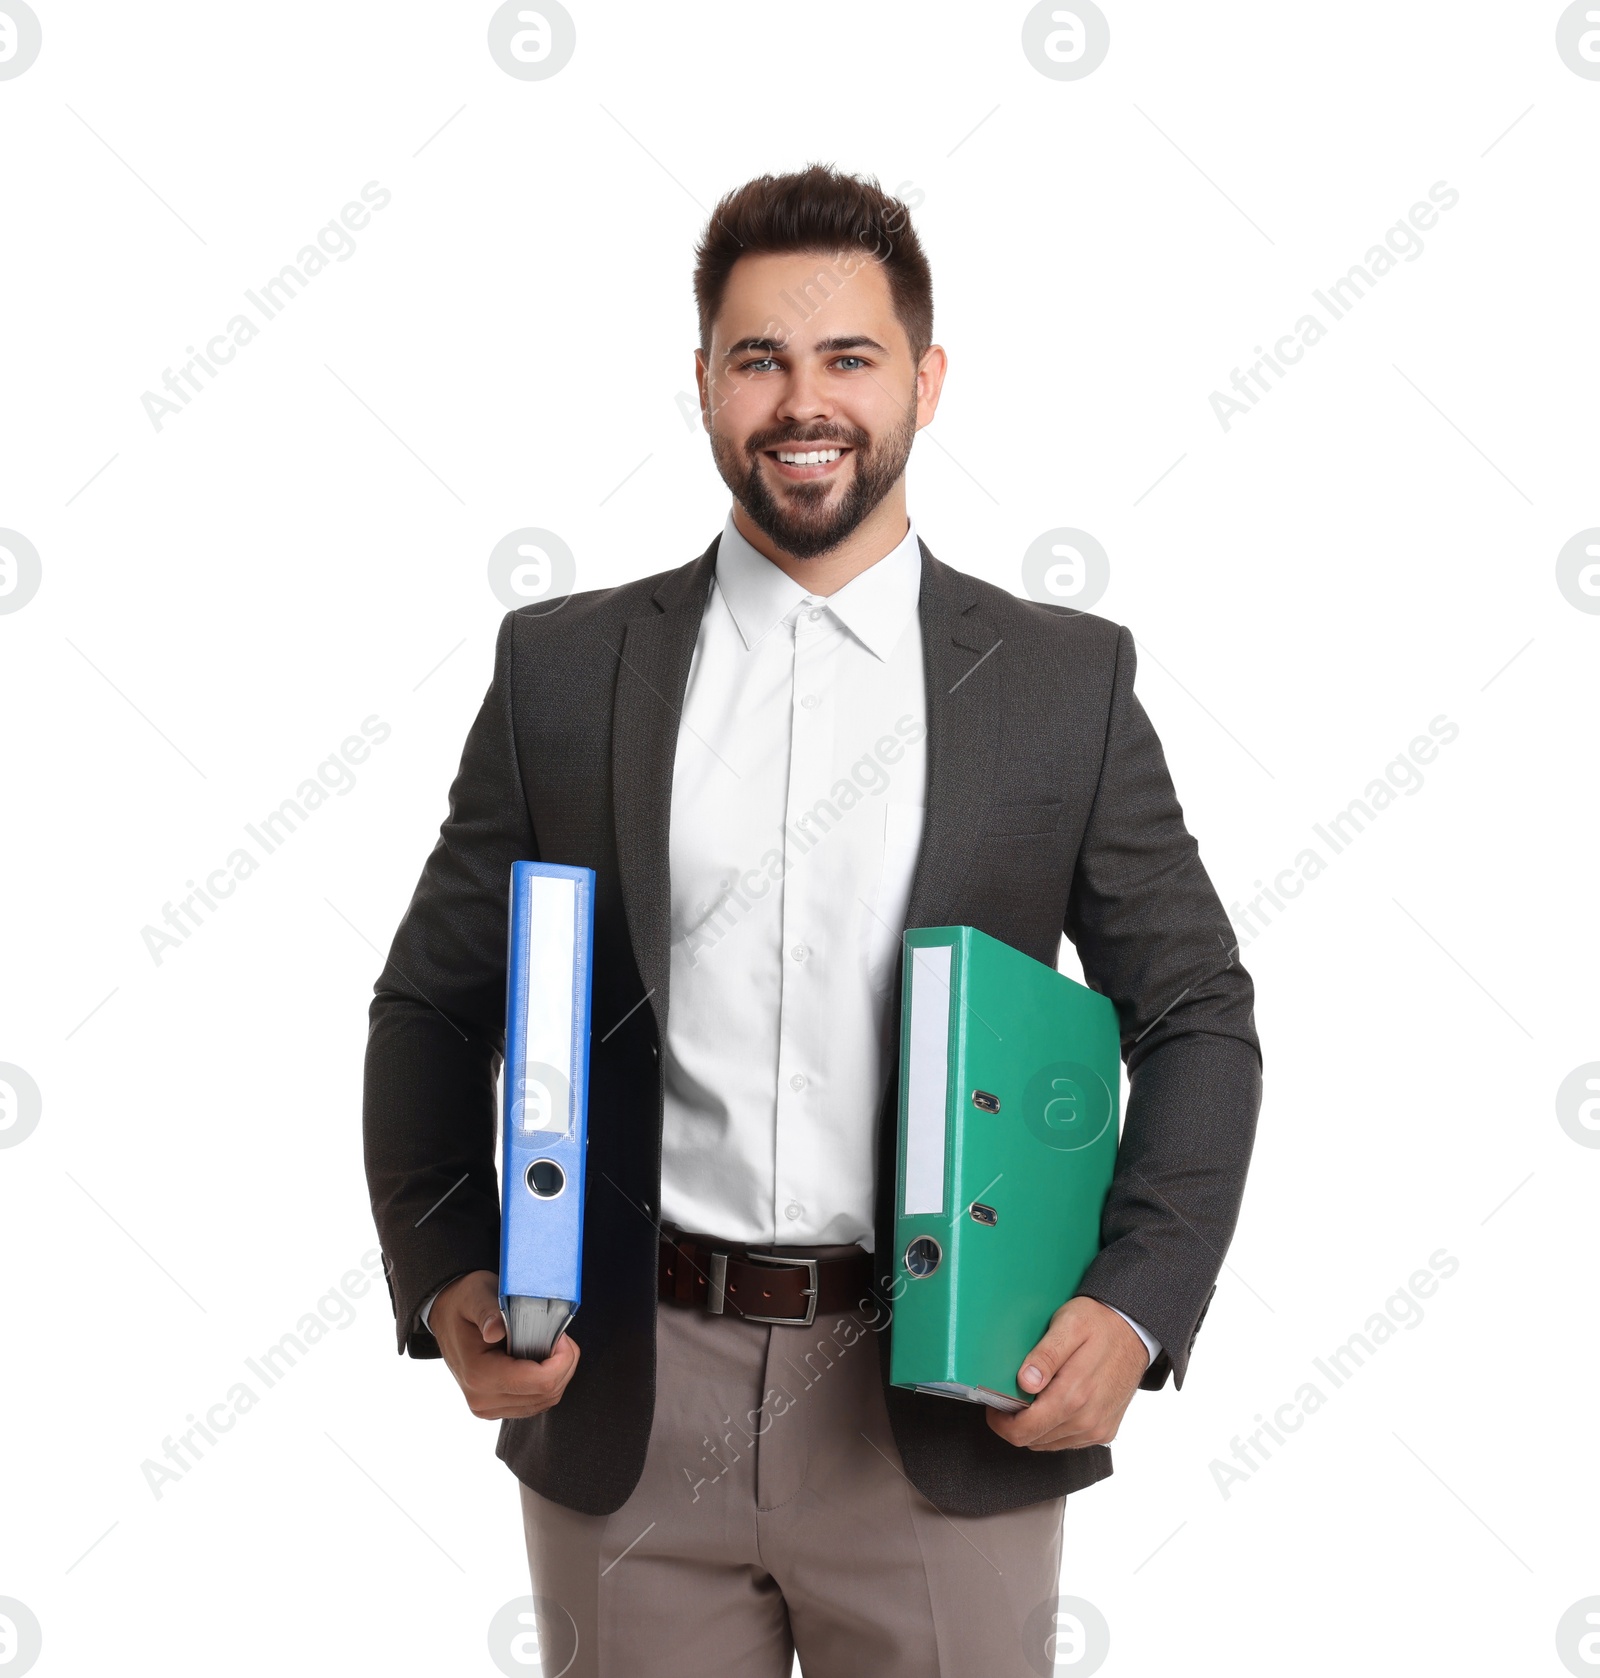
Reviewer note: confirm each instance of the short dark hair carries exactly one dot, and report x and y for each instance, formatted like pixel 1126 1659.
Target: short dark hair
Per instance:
pixel 816 209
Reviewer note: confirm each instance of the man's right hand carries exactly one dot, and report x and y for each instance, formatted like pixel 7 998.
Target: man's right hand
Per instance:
pixel 471 1332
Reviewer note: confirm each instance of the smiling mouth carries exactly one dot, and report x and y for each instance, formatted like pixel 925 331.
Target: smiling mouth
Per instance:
pixel 799 464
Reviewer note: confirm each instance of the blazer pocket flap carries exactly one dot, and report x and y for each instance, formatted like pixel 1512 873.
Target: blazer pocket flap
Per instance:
pixel 1023 818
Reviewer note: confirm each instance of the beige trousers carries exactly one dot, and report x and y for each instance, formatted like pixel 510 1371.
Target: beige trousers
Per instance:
pixel 773 1515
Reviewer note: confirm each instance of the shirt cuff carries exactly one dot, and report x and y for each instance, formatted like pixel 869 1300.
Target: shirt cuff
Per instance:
pixel 1151 1344
pixel 427 1306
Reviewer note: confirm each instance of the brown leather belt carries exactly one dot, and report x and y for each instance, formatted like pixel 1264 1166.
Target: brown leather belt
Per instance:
pixel 726 1277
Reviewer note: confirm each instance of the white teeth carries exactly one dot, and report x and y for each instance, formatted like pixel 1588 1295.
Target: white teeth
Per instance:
pixel 813 457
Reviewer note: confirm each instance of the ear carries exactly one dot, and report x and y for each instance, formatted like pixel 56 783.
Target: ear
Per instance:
pixel 702 382
pixel 930 381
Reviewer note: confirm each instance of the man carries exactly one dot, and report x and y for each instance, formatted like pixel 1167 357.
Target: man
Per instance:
pixel 776 758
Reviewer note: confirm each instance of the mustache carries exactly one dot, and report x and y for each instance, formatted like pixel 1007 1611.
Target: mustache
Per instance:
pixel 761 443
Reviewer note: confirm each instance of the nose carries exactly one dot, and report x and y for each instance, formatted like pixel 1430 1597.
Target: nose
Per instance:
pixel 804 397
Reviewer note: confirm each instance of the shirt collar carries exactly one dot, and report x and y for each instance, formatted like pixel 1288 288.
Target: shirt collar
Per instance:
pixel 874 606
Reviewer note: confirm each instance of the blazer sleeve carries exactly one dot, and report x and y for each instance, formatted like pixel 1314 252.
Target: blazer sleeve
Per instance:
pixel 1152 936
pixel 436 1029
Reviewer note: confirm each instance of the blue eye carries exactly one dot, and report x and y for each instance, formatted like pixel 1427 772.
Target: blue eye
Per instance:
pixel 861 359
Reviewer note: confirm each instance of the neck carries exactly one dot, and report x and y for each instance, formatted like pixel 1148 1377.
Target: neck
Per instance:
pixel 880 533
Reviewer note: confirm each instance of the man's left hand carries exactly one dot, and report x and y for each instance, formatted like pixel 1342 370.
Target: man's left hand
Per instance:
pixel 1085 1372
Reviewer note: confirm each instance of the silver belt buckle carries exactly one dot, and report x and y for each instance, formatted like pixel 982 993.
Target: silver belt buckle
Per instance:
pixel 810 1292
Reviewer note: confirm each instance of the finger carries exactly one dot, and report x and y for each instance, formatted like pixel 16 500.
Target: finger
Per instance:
pixel 1025 1428
pixel 469 1299
pixel 1084 1424
pixel 516 1412
pixel 1072 1435
pixel 514 1386
pixel 492 1325
pixel 1066 1333
pixel 499 1373
pixel 1063 1406
pixel 1072 1439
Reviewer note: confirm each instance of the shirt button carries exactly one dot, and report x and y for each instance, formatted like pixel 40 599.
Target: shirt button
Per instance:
pixel 814 615
pixel 793 1209
pixel 798 1081
pixel 799 952
pixel 810 702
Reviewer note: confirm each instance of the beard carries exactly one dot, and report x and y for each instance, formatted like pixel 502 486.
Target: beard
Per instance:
pixel 812 517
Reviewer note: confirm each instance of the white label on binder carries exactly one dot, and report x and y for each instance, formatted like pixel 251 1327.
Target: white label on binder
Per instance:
pixel 553 926
pixel 928 1078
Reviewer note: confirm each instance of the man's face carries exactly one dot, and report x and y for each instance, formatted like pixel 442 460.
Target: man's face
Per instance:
pixel 808 357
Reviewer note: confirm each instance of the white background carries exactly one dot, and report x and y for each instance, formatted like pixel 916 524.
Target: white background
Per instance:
pixel 305 545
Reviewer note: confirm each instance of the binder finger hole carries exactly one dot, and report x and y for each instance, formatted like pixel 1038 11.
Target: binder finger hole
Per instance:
pixel 922 1256
pixel 546 1179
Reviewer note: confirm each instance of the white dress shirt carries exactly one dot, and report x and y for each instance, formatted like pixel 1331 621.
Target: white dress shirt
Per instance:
pixel 798 793
pixel 797 807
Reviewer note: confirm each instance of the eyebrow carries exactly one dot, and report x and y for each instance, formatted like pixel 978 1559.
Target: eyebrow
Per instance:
pixel 831 346
pixel 824 346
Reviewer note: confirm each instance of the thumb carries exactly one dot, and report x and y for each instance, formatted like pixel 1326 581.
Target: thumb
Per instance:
pixel 492 1325
pixel 1053 1350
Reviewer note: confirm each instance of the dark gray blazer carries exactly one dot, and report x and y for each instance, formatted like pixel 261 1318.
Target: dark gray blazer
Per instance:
pixel 1049 807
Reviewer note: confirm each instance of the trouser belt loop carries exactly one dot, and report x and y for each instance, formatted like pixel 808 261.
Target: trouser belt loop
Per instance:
pixel 684 1273
pixel 717 1280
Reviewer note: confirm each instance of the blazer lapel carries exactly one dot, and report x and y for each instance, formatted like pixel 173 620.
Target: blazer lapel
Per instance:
pixel 961 656
pixel 652 676
pixel 961 667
